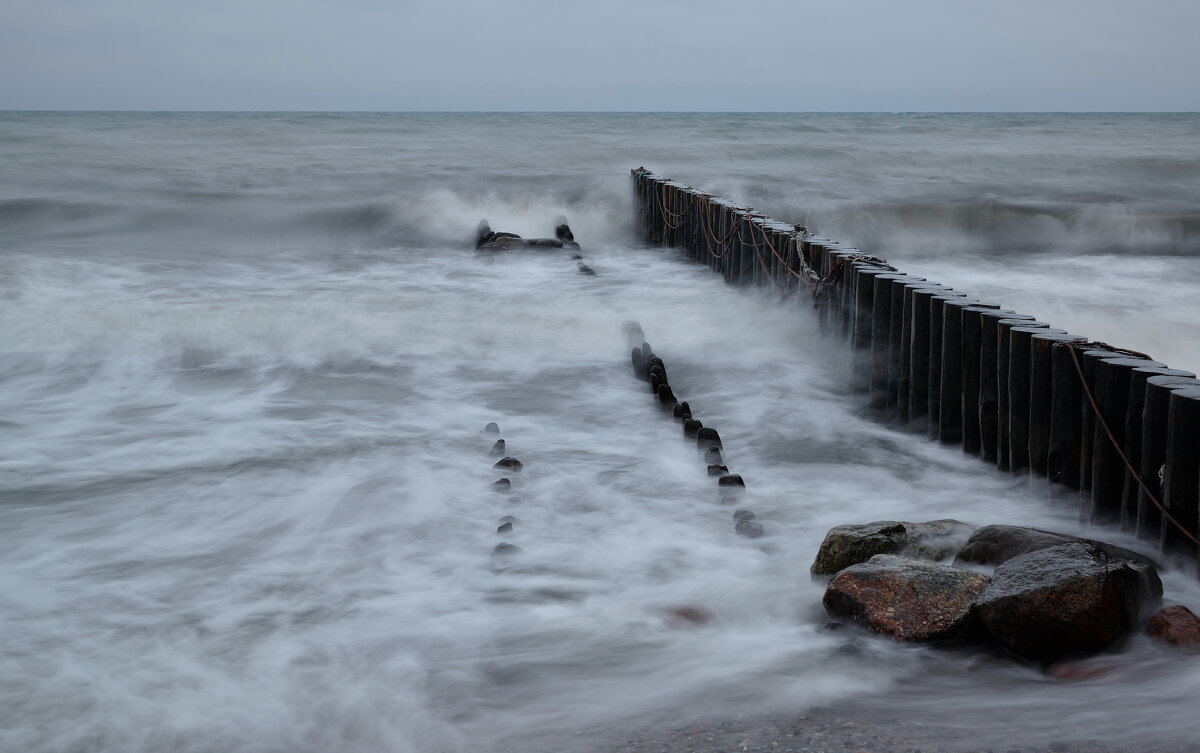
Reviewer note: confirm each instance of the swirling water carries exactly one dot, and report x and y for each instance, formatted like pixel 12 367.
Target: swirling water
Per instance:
pixel 244 499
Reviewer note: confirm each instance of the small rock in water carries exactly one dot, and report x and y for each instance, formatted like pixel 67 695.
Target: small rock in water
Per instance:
pixel 708 437
pixel 509 464
pixel 502 485
pixel 497 449
pixel 586 270
pixel 505 528
pixel 713 456
pixel 492 428
pixel 743 515
pixel 692 615
pixel 1176 626
pixel 731 479
pixel 691 426
pixel 718 470
pixel 505 549
pixel 749 528
pixel 847 545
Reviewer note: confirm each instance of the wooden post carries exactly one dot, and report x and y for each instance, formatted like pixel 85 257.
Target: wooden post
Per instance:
pixel 990 381
pixel 1113 376
pixel 1181 469
pixel 1131 519
pixel 1041 395
pixel 1155 413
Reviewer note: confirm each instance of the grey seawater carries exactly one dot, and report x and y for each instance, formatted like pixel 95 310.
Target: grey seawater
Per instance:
pixel 244 497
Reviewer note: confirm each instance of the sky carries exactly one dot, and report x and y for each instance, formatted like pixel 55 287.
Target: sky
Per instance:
pixel 659 55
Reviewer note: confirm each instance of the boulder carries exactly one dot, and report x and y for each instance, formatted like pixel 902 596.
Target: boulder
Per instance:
pixel 1067 599
pixel 848 545
pixel 992 545
pixel 908 599
pixel 1176 626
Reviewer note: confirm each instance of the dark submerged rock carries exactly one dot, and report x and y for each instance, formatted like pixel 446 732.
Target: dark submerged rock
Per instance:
pixel 1176 626
pixel 718 470
pixel 497 449
pixel 731 480
pixel 509 464
pixel 908 599
pixel 666 397
pixel 691 427
pixel 848 545
pixel 492 428
pixel 505 549
pixel 993 545
pixel 502 485
pixel 586 270
pixel 749 528
pixel 1067 599
pixel 505 527
pixel 743 515
pixel 708 437
pixel 683 410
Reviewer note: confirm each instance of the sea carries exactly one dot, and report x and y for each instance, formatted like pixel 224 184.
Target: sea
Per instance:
pixel 246 361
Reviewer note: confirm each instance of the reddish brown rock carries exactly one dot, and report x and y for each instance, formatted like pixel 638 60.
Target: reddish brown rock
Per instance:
pixel 1176 626
pixel 908 599
pixel 509 464
pixel 692 615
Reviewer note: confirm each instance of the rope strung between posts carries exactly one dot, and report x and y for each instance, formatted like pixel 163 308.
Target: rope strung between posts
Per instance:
pixel 678 216
pixel 1071 346
pixel 766 239
pixel 819 291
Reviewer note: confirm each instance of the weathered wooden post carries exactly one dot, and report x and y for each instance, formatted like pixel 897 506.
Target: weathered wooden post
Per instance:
pixel 1111 393
pixel 1019 386
pixel 937 313
pixel 1131 519
pixel 1181 469
pixel 1155 413
pixel 881 336
pixel 990 382
pixel 1041 385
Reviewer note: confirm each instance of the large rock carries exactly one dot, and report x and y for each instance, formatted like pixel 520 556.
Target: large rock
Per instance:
pixel 909 599
pixel 1176 626
pixel 1067 599
pixel 992 545
pixel 851 544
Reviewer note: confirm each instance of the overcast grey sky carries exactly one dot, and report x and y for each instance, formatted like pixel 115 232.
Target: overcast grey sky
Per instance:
pixel 881 55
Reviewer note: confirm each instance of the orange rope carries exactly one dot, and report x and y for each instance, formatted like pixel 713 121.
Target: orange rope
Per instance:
pixel 1071 345
pixel 767 240
pixel 667 212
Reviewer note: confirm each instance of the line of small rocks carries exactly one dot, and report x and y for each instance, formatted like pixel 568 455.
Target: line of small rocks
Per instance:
pixel 503 485
pixel 731 487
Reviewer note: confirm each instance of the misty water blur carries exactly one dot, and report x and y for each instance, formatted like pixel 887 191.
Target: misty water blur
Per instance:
pixel 245 503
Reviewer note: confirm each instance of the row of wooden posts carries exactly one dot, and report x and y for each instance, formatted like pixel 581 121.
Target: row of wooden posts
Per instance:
pixel 1111 428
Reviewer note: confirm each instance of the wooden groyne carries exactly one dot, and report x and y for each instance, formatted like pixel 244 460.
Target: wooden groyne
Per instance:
pixel 1108 426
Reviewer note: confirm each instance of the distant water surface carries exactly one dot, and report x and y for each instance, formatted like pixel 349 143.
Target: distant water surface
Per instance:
pixel 245 360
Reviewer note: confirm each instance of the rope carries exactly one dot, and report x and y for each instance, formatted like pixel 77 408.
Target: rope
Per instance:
pixel 1071 345
pixel 668 213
